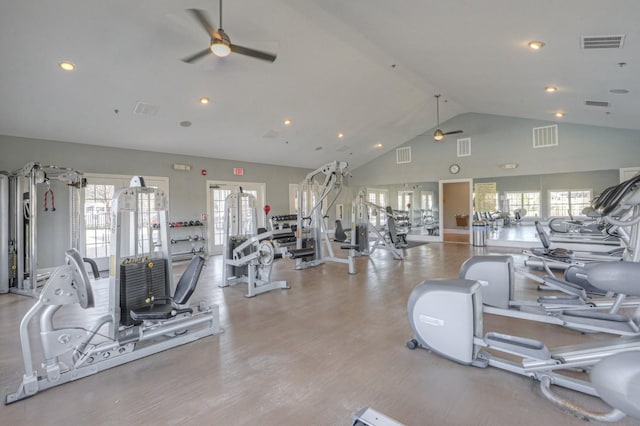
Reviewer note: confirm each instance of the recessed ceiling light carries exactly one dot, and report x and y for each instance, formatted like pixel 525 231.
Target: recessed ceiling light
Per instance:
pixel 619 91
pixel 340 135
pixel 67 66
pixel 185 123
pixel 559 114
pixel 550 89
pixel 287 122
pixel 204 100
pixel 378 145
pixel 535 45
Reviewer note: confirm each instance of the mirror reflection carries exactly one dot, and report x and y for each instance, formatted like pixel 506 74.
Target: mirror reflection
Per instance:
pixel 510 204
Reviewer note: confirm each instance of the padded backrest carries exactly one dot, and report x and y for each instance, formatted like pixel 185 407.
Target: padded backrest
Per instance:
pixel 80 279
pixel 339 234
pixel 393 233
pixel 544 238
pixel 188 280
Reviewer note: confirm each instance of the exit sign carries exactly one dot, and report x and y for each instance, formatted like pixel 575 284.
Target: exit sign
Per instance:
pixel 238 171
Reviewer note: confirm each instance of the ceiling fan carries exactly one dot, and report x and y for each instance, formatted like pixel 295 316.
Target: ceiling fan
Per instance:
pixel 220 44
pixel 438 135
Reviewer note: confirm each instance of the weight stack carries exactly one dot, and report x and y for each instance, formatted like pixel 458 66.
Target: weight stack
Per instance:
pixel 137 284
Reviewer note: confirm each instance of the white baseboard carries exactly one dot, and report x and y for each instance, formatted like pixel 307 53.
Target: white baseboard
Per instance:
pixel 456 231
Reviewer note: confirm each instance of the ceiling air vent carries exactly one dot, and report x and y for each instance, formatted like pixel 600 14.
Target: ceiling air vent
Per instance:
pixel 602 42
pixel 602 104
pixel 143 108
pixel 546 136
pixel 403 155
pixel 464 147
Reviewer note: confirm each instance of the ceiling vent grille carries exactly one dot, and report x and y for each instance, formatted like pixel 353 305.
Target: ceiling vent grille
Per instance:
pixel 602 104
pixel 403 155
pixel 464 147
pixel 546 136
pixel 143 108
pixel 602 42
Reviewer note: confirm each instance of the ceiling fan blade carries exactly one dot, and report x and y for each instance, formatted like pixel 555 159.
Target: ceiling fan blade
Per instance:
pixel 265 56
pixel 191 59
pixel 202 18
pixel 454 132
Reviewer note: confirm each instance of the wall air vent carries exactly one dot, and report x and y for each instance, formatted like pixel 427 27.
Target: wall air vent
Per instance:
pixel 546 136
pixel 601 104
pixel 143 108
pixel 403 155
pixel 464 147
pixel 602 42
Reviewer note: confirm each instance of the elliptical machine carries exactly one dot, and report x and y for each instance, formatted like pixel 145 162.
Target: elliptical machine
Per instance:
pixel 446 317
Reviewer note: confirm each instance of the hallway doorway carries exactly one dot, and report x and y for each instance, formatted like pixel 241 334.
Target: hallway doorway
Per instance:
pixel 456 199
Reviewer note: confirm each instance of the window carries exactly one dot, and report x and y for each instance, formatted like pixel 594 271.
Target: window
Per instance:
pixel 97 218
pixel 378 197
pixel 530 201
pixel 569 202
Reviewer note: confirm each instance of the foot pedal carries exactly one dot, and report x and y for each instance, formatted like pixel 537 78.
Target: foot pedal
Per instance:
pixel 526 348
pixel 560 300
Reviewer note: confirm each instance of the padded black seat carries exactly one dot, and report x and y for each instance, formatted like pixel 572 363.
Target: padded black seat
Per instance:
pixel 339 235
pixel 167 307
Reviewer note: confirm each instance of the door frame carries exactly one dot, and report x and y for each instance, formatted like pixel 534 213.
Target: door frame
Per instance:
pixel 441 184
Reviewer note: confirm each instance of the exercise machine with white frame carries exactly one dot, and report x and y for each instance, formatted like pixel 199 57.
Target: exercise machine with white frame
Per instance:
pixel 311 234
pixel 248 254
pixel 140 319
pixel 20 202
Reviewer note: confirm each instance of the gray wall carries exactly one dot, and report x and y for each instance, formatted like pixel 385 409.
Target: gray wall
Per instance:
pixel 186 190
pixel 497 140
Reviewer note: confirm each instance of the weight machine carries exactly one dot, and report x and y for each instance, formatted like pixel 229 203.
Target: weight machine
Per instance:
pixel 140 319
pixel 311 230
pixel 361 228
pixel 248 254
pixel 19 198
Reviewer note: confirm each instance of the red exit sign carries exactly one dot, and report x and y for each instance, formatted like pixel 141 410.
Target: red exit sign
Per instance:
pixel 238 171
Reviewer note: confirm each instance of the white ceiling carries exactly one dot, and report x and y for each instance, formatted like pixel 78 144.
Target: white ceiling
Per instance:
pixel 368 68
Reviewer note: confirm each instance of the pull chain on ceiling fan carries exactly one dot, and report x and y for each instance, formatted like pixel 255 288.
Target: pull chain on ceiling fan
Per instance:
pixel 438 135
pixel 220 43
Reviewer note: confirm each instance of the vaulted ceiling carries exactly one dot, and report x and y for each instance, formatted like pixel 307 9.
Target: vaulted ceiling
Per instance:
pixel 366 68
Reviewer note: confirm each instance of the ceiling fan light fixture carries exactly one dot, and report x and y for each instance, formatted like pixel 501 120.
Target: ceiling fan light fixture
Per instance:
pixel 438 135
pixel 220 48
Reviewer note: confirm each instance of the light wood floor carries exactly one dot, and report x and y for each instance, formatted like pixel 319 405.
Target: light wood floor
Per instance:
pixel 313 354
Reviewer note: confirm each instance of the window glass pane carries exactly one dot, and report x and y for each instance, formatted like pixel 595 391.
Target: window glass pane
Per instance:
pixel 97 216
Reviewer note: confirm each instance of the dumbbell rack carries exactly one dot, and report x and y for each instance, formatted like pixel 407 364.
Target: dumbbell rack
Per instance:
pixel 187 239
